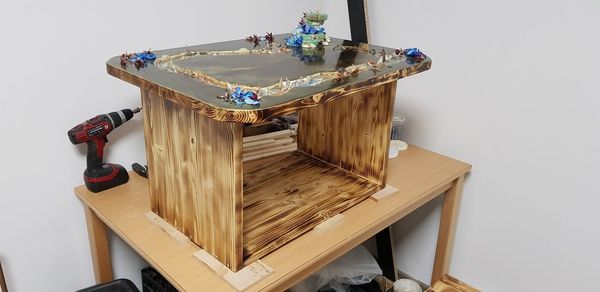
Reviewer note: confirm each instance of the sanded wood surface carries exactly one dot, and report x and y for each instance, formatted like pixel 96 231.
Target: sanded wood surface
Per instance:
pixel 195 175
pixel 352 133
pixel 260 70
pixel 241 279
pixel 419 175
pixel 287 195
pixel 448 283
pixel 98 247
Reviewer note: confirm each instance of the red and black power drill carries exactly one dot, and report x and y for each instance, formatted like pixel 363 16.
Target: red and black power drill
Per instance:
pixel 100 176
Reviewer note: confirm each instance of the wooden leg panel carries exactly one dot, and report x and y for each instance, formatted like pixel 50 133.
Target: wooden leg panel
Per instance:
pixel 195 175
pixel 352 132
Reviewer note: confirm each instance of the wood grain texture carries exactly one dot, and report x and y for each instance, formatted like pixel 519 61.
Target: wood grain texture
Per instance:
pixel 263 114
pixel 270 152
pixel 287 195
pixel 273 143
pixel 443 251
pixel 195 175
pixel 270 135
pixel 352 133
pixel 98 247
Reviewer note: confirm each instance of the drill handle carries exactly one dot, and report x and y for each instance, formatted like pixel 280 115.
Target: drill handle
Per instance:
pixel 95 152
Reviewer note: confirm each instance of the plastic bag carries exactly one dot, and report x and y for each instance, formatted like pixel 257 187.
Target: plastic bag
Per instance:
pixel 354 268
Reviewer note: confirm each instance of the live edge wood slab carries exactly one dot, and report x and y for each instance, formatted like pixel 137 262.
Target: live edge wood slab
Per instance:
pixel 240 212
pixel 260 70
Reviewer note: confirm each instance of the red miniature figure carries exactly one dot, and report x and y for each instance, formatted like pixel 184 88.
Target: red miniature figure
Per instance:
pixel 269 37
pixel 138 64
pixel 253 38
pixel 124 59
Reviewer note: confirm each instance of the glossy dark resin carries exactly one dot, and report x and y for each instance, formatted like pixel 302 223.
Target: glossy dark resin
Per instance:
pixel 262 70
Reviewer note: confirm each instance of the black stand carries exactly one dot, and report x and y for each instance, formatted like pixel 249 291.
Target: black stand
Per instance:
pixel 357 13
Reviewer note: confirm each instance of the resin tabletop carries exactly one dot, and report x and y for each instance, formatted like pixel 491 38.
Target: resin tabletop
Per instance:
pixel 285 79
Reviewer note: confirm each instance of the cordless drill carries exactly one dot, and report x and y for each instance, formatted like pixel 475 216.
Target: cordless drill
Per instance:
pixel 100 176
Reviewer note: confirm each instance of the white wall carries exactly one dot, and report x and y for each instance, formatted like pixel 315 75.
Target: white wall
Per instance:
pixel 52 77
pixel 513 90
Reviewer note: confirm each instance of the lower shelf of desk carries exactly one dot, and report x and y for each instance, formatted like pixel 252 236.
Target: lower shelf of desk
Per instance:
pixel 287 195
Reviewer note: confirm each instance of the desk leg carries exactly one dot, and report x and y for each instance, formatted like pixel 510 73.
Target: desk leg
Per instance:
pixel 445 240
pixel 99 247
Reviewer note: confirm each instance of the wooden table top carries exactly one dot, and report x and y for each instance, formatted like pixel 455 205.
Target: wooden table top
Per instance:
pixel 194 76
pixel 419 175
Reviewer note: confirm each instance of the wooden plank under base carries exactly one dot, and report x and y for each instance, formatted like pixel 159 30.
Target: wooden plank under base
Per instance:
pixel 241 279
pixel 288 195
pixel 191 159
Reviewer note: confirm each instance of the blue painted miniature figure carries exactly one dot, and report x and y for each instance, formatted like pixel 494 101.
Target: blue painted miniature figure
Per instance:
pixel 139 60
pixel 310 31
pixel 240 97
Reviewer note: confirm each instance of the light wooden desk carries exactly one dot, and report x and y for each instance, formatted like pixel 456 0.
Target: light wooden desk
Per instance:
pixel 419 175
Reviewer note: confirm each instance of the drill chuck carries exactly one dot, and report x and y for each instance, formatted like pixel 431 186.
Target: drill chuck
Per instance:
pixel 119 117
